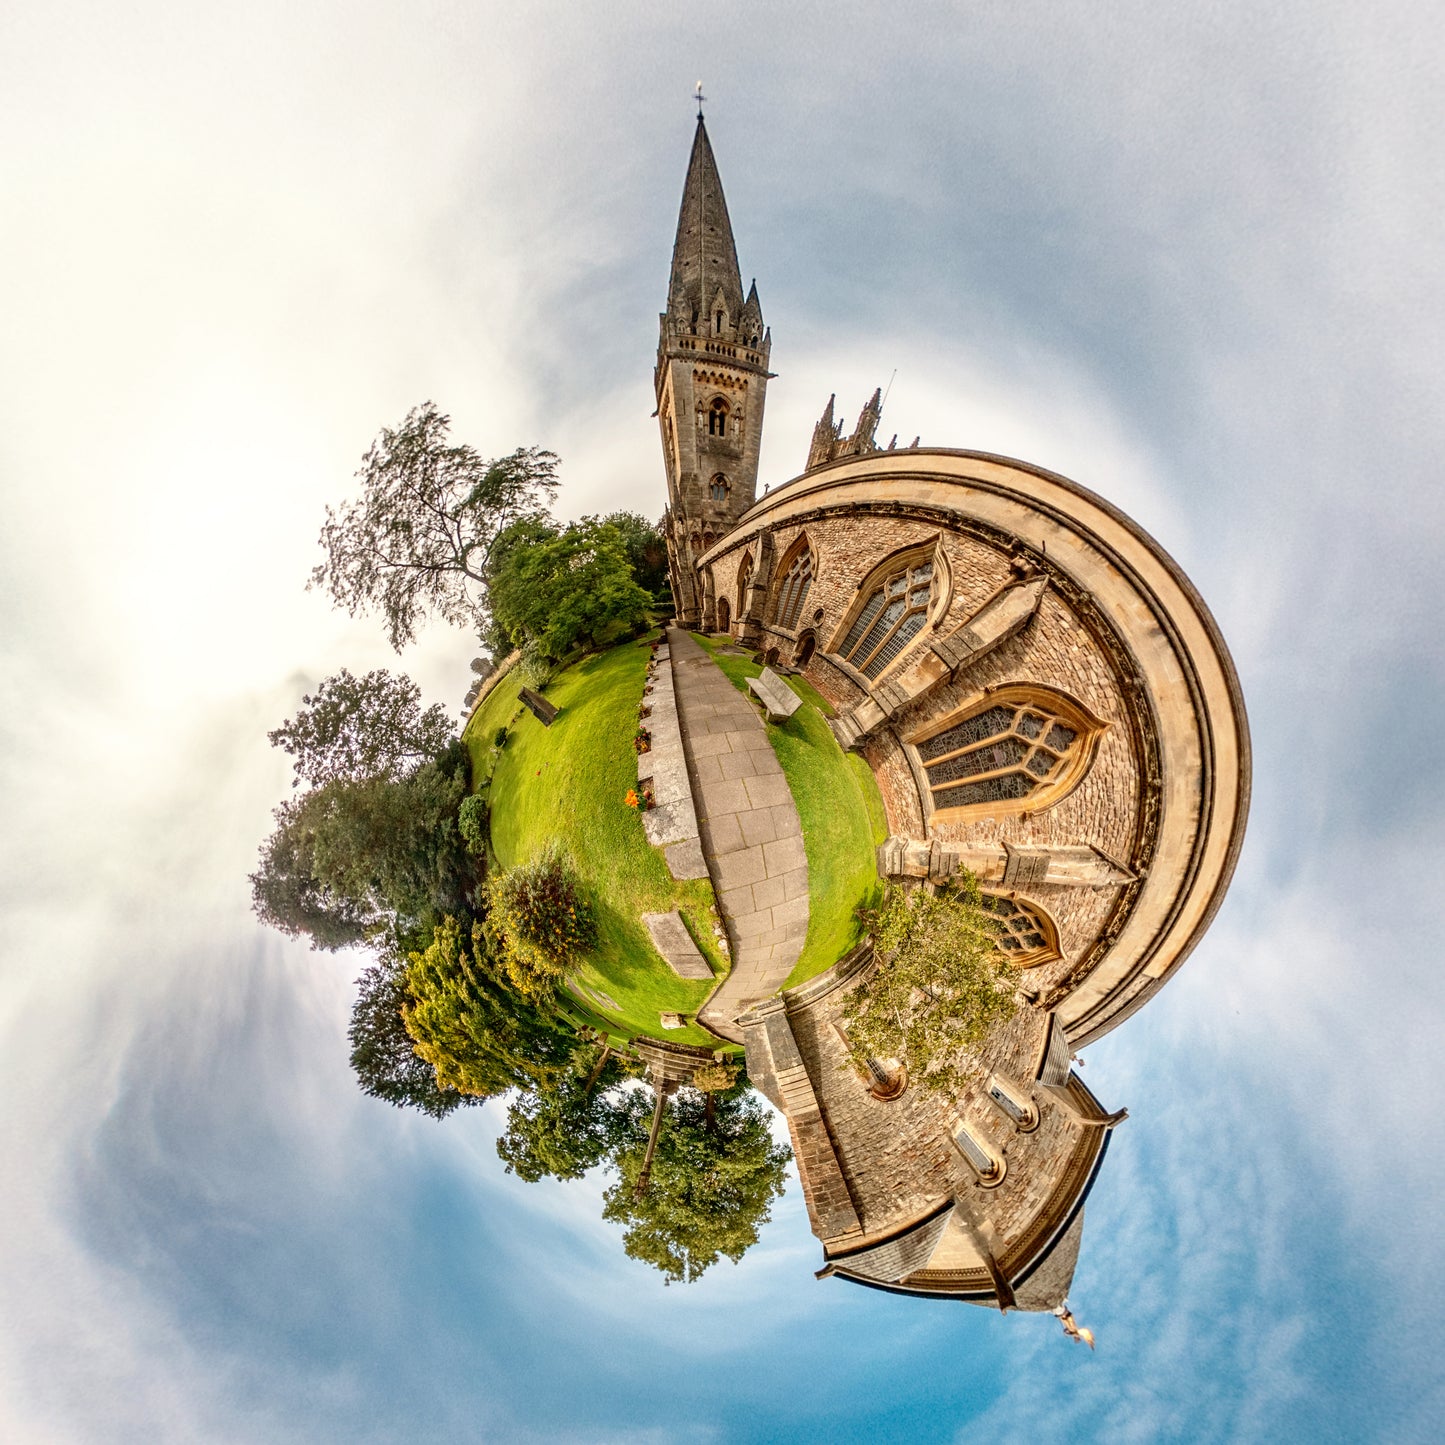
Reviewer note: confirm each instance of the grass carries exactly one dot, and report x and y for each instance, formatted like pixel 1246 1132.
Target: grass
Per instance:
pixel 841 812
pixel 567 782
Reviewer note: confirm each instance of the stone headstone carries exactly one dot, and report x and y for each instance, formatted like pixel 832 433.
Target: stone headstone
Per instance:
pixel 545 712
pixel 672 1021
pixel 672 940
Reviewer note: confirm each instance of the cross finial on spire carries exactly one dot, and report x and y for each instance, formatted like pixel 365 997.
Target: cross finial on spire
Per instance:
pixel 700 97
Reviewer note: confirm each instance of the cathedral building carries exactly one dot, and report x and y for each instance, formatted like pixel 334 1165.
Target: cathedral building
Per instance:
pixel 1044 701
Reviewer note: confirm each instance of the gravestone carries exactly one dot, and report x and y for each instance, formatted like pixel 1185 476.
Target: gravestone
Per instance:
pixel 542 710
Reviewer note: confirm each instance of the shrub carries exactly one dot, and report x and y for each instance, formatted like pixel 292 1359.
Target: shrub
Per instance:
pixel 715 1078
pixel 535 669
pixel 501 738
pixel 540 922
pixel 472 819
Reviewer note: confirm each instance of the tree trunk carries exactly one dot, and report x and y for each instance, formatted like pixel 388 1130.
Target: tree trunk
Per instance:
pixel 644 1175
pixel 597 1072
pixel 709 1117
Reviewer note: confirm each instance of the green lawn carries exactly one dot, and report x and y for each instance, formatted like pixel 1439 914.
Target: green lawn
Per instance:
pixel 840 810
pixel 567 782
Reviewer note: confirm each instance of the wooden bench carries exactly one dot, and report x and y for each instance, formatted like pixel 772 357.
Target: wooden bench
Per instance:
pixel 779 701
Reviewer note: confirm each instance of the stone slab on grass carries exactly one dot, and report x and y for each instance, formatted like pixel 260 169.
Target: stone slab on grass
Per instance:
pixel 674 943
pixel 685 860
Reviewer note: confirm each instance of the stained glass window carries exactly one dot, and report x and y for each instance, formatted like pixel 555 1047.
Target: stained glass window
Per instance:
pixel 1003 754
pixel 984 1164
pixel 719 488
pixel 890 619
pixel 794 590
pixel 1020 932
pixel 1014 1106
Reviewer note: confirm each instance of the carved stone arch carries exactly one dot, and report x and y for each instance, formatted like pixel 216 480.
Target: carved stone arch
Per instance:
pixel 1027 932
pixel 709 599
pixel 1017 748
pixel 716 417
pixel 793 580
pixel 871 638
pixel 752 604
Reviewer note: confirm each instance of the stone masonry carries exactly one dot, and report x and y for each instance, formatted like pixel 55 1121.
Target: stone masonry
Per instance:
pixel 751 837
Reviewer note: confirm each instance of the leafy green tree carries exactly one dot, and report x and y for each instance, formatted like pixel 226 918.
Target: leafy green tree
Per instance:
pixel 941 984
pixel 382 1054
pixel 646 548
pixel 478 1036
pixel 349 857
pixel 288 894
pixel 419 540
pixel 556 593
pixel 564 1132
pixel 353 728
pixel 710 1190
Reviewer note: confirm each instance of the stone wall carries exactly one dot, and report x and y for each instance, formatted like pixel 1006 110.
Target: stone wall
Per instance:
pixel 1056 649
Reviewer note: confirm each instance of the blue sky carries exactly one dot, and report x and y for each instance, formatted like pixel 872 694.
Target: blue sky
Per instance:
pixel 1190 258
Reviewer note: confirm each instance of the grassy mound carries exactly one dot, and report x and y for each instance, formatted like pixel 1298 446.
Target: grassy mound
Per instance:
pixel 841 812
pixel 567 783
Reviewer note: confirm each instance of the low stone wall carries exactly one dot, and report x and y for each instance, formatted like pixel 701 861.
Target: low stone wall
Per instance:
pixel 671 824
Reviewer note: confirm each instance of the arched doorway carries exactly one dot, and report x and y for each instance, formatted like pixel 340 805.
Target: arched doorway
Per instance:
pixel 805 650
pixel 724 616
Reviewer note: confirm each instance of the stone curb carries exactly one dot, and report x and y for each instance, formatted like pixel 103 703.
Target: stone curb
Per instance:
pixel 672 823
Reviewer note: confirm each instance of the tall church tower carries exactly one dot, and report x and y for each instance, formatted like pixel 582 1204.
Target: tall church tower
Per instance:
pixel 711 378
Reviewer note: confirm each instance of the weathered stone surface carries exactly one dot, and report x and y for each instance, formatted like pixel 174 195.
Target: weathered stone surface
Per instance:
pixel 779 701
pixel 746 810
pixel 685 860
pixel 672 940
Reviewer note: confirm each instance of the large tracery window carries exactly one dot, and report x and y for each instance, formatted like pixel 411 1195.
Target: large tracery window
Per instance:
pixel 1022 930
pixel 719 488
pixel 890 619
pixel 1025 747
pixel 794 591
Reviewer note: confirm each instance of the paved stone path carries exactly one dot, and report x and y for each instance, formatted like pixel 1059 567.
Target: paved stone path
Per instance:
pixel 751 837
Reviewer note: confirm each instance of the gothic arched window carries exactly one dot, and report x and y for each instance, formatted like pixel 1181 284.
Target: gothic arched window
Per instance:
pixel 717 418
pixel 794 591
pixel 891 617
pixel 1023 931
pixel 719 488
pixel 1020 747
pixel 1014 1103
pixel 983 1159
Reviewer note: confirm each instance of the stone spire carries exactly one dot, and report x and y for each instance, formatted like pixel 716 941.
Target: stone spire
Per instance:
pixel 711 382
pixel 704 258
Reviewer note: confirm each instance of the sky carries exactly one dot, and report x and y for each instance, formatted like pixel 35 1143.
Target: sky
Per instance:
pixel 1189 256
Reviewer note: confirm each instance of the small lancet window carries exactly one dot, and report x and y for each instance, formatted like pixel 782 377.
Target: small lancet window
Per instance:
pixel 1021 930
pixel 981 1159
pixel 890 619
pixel 1013 1105
pixel 717 418
pixel 1026 746
pixel 719 488
pixel 794 591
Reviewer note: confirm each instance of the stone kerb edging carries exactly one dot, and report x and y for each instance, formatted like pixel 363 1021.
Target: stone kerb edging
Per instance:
pixel 671 823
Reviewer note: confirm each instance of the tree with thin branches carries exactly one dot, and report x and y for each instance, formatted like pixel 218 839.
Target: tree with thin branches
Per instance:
pixel 418 542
